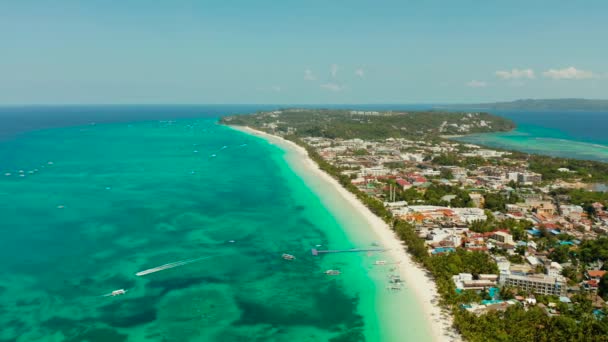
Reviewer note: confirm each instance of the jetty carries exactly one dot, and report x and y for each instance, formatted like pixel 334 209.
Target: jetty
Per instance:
pixel 316 252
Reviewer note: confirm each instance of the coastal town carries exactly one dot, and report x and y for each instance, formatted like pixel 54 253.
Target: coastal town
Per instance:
pixel 541 242
pixel 410 179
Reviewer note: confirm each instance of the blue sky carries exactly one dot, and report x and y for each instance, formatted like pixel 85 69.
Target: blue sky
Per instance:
pixel 330 51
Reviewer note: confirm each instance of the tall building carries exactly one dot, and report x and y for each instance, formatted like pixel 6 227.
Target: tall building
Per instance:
pixel 529 177
pixel 538 283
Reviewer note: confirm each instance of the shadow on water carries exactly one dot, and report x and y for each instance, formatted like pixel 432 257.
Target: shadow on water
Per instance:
pixel 329 309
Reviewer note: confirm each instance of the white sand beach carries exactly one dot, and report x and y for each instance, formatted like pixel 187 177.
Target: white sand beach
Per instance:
pixel 415 276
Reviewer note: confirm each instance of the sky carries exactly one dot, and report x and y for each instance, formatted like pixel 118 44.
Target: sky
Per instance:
pixel 300 52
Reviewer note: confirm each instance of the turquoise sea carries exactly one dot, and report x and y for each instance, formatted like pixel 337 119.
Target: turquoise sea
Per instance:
pixel 86 206
pixel 579 135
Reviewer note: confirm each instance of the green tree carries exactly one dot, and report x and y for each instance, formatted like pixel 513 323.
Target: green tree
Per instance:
pixel 603 287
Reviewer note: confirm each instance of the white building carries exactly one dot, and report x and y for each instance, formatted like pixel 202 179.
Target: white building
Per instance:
pixel 375 171
pixel 538 283
pixel 470 214
pixel 554 270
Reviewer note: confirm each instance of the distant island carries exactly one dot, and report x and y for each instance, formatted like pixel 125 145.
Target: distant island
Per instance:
pixel 539 105
pixel 373 125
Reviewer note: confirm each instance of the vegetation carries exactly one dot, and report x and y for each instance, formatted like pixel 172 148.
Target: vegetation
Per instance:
pixel 584 170
pixel 342 124
pixel 592 250
pixel 433 195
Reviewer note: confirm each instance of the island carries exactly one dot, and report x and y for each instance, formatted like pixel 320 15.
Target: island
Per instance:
pixel 540 105
pixel 515 243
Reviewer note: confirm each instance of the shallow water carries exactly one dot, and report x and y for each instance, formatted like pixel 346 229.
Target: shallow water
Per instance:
pixel 98 203
pixel 579 135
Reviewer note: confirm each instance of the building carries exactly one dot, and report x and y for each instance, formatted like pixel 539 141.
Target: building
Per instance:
pixel 375 171
pixel 477 199
pixel 595 274
pixel 554 270
pixel 503 237
pixel 404 184
pixel 572 211
pixel 465 281
pixel 538 283
pixel 545 208
pixel 529 177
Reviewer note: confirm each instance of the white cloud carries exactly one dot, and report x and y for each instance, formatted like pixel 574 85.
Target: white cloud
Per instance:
pixel 570 73
pixel 332 86
pixel 477 84
pixel 276 88
pixel 309 76
pixel 515 74
pixel 360 72
pixel 334 70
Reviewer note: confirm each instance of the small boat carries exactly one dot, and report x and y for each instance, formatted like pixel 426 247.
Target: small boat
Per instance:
pixel 333 272
pixel 288 256
pixel 394 288
pixel 396 280
pixel 380 262
pixel 116 293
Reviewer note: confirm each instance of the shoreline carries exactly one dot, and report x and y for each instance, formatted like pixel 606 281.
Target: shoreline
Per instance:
pixel 417 278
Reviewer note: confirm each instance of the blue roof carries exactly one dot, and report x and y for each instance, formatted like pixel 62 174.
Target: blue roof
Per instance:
pixel 522 243
pixel 565 300
pixel 534 232
pixel 555 232
pixel 566 243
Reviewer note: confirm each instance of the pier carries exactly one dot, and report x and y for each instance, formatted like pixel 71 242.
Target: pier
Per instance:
pixel 316 252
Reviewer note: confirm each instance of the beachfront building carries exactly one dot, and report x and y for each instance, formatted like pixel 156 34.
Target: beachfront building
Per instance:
pixel 538 283
pixel 465 281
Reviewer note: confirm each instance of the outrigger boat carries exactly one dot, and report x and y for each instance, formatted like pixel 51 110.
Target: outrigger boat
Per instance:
pixel 333 272
pixel 288 256
pixel 394 288
pixel 115 293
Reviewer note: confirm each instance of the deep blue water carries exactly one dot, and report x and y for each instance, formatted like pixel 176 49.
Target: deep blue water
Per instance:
pixel 578 135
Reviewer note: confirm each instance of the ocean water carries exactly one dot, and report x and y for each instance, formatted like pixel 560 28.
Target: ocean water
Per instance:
pixel 83 208
pixel 579 135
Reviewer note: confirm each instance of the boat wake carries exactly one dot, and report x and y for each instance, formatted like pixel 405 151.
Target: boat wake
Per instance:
pixel 170 265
